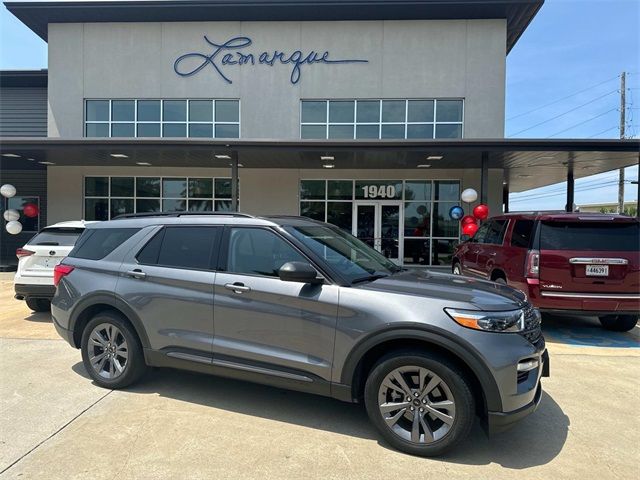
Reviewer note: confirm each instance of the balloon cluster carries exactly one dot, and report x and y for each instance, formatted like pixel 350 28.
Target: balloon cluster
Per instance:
pixel 469 223
pixel 11 215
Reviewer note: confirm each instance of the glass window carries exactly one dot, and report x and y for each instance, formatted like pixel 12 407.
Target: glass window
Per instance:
pixel 442 251
pixel 449 111
pixel 96 186
pixel 478 237
pixel 417 219
pixel 417 190
pixel 96 209
pixel 201 130
pixel 313 189
pixel 147 186
pixel 200 111
pixel 123 130
pixel 97 110
pixel 367 131
pixel 147 205
pixel 227 131
pixel 97 130
pixel 227 111
pixel 57 236
pixel 149 253
pixel 148 110
pixel 97 243
pixel 174 187
pixel 314 131
pixel 393 111
pixel 173 205
pixel 314 210
pixel 341 131
pixel 448 131
pixel 341 111
pixel 340 190
pixel 340 214
pixel 447 190
pixel 200 187
pixel 590 236
pixel 495 232
pixel 148 130
pixel 223 205
pixel 443 225
pixel 123 111
pixel 257 251
pixel 419 131
pixel 121 206
pixel 188 247
pixel 420 111
pixel 174 111
pixel 122 186
pixel 521 234
pixel 378 189
pixel 416 251
pixel 368 111
pixel 174 130
pixel 29 224
pixel 392 131
pixel 314 111
pixel 200 205
pixel 223 187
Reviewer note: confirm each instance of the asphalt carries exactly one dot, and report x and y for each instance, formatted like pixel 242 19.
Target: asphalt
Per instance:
pixel 55 424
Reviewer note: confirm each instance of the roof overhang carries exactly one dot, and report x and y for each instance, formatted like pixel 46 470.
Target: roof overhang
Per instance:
pixel 24 78
pixel 527 164
pixel 37 15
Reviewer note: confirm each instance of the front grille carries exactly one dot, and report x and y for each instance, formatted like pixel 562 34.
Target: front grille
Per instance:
pixel 532 326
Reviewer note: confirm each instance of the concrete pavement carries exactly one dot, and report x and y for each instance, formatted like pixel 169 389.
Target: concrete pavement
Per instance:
pixel 54 423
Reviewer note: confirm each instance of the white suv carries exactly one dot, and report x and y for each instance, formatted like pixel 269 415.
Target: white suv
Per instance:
pixel 34 278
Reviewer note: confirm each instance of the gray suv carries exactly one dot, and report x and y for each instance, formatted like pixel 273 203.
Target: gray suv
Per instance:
pixel 299 304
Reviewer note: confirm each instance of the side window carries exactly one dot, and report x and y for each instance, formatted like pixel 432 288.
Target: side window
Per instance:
pixel 480 233
pixel 150 252
pixel 521 235
pixel 495 232
pixel 184 247
pixel 257 251
pixel 97 243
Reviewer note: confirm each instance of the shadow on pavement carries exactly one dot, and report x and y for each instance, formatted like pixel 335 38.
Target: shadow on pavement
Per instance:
pixel 586 331
pixel 39 317
pixel 534 441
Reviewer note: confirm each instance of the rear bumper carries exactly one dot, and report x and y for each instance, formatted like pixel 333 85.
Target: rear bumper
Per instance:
pixel 67 335
pixel 24 291
pixel 583 303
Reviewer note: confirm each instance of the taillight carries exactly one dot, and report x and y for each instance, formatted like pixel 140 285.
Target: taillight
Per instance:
pixel 532 265
pixel 23 252
pixel 60 271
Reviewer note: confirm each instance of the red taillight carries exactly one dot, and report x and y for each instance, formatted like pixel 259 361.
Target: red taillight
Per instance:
pixel 23 252
pixel 60 271
pixel 532 265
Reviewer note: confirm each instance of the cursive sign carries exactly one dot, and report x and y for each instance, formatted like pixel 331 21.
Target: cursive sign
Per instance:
pixel 228 53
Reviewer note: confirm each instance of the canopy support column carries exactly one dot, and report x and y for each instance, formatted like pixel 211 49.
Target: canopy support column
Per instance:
pixel 484 178
pixel 234 184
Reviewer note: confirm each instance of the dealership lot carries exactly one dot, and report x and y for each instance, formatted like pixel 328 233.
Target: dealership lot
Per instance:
pixel 56 424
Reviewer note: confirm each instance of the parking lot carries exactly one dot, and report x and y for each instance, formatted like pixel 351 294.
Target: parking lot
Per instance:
pixel 56 424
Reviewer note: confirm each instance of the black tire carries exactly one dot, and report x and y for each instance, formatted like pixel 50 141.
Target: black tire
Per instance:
pixel 135 366
pixel 449 373
pixel 38 304
pixel 619 323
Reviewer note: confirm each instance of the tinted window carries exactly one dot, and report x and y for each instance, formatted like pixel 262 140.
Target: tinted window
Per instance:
pixel 256 251
pixel 187 247
pixel 95 244
pixel 495 232
pixel 521 235
pixel 64 237
pixel 480 234
pixel 149 253
pixel 590 236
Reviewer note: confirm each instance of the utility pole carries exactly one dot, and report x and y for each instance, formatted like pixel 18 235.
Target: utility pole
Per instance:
pixel 623 119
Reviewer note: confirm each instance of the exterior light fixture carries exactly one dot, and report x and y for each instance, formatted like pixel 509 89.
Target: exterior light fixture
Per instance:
pixel 222 157
pixel 119 155
pixel 10 155
pixel 525 176
pixel 328 165
pixel 434 157
pixel 31 159
pixel 327 158
pixel 46 163
pixel 239 165
pixel 143 164
pixel 424 165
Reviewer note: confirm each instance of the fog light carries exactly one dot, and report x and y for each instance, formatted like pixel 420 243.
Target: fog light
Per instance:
pixel 526 365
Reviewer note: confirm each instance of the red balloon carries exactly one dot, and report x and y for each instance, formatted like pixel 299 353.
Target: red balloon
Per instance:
pixel 468 219
pixel 30 210
pixel 481 212
pixel 470 229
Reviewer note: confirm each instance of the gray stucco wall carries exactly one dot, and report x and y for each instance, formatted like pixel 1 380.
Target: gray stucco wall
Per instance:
pixel 407 59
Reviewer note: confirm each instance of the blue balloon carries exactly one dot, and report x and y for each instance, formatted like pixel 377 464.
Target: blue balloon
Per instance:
pixel 456 213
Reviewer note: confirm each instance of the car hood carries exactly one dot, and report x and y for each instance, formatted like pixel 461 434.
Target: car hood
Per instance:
pixel 481 294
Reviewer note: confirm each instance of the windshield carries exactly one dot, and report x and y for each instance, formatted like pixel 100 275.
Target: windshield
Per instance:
pixel 352 258
pixel 64 237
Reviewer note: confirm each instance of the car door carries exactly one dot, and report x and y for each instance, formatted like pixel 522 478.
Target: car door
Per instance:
pixel 470 258
pixel 264 324
pixel 488 251
pixel 169 285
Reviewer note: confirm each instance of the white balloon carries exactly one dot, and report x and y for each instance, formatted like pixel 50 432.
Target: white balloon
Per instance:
pixel 11 215
pixel 7 190
pixel 469 195
pixel 14 227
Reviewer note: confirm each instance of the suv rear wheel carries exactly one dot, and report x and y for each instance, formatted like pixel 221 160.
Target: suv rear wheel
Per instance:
pixel 38 304
pixel 619 323
pixel 111 351
pixel 420 403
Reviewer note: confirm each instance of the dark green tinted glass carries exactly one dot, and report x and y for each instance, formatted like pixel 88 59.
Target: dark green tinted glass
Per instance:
pixel 312 190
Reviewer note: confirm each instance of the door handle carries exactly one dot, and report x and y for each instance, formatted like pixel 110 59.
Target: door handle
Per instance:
pixel 237 287
pixel 493 254
pixel 137 273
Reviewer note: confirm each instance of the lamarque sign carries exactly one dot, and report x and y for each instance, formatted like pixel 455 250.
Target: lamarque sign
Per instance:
pixel 228 53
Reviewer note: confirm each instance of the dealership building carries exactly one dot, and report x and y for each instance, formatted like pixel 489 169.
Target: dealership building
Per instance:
pixel 373 115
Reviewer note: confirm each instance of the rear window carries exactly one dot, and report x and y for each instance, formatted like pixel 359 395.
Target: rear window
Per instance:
pixel 521 235
pixel 590 236
pixel 59 237
pixel 95 244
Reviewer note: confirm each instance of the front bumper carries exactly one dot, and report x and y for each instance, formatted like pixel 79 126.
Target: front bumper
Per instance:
pixel 500 421
pixel 24 290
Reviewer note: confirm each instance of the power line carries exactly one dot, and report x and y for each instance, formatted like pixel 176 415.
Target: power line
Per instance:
pixel 563 98
pixel 582 123
pixel 564 113
pixel 577 190
pixel 561 188
pixel 604 131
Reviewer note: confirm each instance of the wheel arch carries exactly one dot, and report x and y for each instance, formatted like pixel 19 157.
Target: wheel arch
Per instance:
pixel 496 273
pixel 365 355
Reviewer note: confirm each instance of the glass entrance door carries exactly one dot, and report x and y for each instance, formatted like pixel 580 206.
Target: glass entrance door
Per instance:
pixel 378 225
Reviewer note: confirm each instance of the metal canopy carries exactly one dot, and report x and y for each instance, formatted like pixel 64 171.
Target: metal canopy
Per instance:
pixel 527 164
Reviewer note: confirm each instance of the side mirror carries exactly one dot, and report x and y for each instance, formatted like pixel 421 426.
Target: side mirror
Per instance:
pixel 299 272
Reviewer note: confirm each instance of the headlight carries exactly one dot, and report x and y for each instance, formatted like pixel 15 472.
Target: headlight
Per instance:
pixel 512 321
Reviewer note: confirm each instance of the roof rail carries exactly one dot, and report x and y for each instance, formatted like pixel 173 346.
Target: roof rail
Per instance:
pixel 181 214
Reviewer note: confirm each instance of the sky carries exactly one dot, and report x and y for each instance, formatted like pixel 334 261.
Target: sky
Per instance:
pixel 562 82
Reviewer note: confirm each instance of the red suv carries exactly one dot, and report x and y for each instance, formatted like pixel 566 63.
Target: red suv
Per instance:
pixel 576 263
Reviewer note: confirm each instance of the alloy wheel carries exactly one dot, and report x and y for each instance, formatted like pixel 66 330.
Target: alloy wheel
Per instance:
pixel 416 404
pixel 108 351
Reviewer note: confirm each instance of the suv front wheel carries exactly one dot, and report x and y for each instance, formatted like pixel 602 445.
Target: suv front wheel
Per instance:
pixel 421 403
pixel 111 351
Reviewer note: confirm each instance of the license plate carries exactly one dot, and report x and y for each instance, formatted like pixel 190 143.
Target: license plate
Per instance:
pixel 597 270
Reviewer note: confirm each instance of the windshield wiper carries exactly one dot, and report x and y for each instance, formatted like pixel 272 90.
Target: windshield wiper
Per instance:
pixel 369 278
